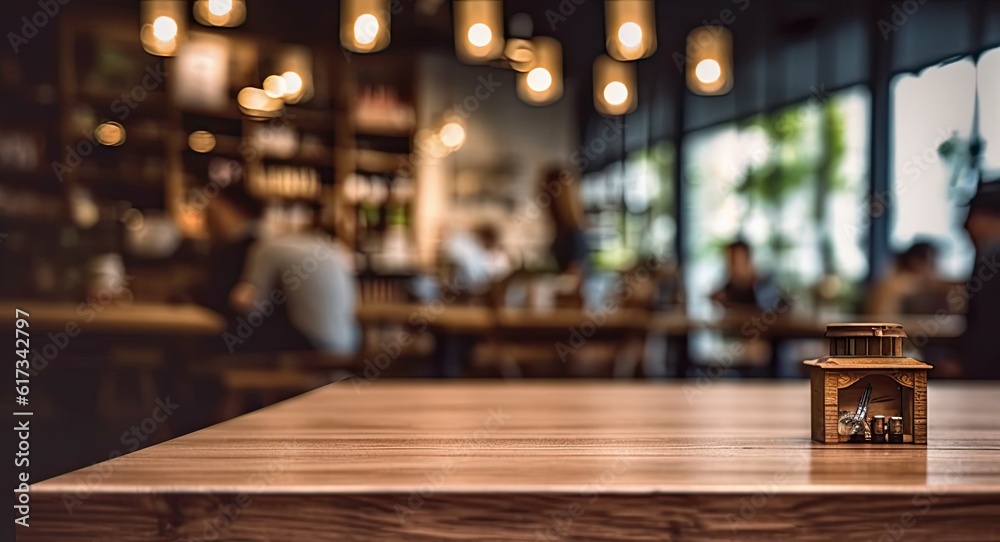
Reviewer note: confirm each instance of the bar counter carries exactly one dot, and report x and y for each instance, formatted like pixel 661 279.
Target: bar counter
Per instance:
pixel 693 460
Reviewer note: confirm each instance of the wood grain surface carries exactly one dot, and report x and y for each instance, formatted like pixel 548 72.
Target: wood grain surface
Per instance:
pixel 698 460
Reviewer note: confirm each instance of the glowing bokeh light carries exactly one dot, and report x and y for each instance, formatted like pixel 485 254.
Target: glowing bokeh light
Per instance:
pixel 708 71
pixel 539 79
pixel 366 29
pixel 164 28
pixel 630 35
pixel 615 93
pixel 480 35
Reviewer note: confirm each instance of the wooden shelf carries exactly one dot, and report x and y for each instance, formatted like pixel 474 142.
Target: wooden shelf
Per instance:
pixel 379 162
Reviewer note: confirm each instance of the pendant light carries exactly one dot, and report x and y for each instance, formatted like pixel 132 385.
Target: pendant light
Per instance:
pixel 541 81
pixel 364 25
pixel 629 28
pixel 710 60
pixel 225 13
pixel 478 30
pixel 163 26
pixel 614 86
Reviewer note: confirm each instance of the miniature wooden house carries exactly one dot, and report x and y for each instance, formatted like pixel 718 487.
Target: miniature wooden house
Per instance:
pixel 864 384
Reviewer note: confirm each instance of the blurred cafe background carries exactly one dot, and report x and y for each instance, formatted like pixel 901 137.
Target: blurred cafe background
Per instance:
pixel 209 206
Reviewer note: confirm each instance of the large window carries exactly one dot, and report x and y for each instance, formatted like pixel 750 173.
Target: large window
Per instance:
pixel 934 163
pixel 792 184
pixel 932 114
pixel 989 111
pixel 629 208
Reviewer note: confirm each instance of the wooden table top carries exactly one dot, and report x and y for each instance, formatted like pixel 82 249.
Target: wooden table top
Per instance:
pixel 124 319
pixel 499 461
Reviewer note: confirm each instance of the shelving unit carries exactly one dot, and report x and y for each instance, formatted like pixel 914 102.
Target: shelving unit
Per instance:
pixel 378 191
pixel 360 120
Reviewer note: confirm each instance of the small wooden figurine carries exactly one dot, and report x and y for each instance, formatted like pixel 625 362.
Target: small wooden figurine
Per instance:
pixel 867 375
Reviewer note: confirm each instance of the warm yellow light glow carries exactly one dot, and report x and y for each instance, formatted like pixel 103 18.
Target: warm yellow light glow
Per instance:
pixel 630 35
pixel 708 71
pixel 365 26
pixel 539 79
pixel 220 7
pixel 615 93
pixel 275 86
pixel 110 134
pixel 480 35
pixel 225 13
pixel 629 29
pixel 164 28
pixel 201 141
pixel 293 83
pixel 255 103
pixel 452 135
pixel 366 29
pixel 478 26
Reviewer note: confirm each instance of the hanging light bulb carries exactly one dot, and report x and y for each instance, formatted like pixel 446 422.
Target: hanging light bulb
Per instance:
pixel 452 135
pixel 630 28
pixel 630 35
pixel 708 71
pixel 220 7
pixel 615 93
pixel 480 35
pixel 294 83
pixel 364 25
pixel 614 86
pixel 710 60
pixel 541 81
pixel 163 26
pixel 478 30
pixel 225 13
pixel 365 29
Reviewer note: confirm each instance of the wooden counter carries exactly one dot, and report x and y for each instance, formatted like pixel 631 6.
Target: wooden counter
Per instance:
pixel 698 460
pixel 124 319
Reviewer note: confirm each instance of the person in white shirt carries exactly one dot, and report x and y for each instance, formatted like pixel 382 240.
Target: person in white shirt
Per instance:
pixel 313 273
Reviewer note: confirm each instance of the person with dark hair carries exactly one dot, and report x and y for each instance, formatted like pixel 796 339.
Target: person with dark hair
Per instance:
pixel 740 289
pixel 231 219
pixel 569 248
pixel 911 284
pixel 979 348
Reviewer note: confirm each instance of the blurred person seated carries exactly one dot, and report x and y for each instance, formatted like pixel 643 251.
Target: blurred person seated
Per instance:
pixel 569 247
pixel 745 289
pixel 911 286
pixel 479 262
pixel 498 262
pixel 979 348
pixel 312 273
pixel 231 218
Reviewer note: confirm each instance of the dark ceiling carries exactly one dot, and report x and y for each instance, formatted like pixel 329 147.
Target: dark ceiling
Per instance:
pixel 426 24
